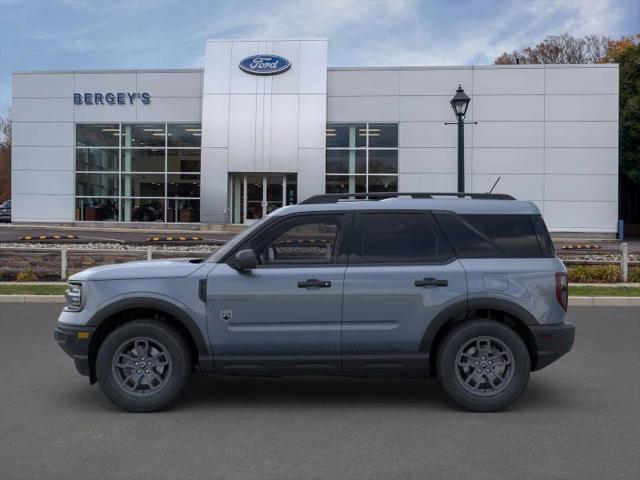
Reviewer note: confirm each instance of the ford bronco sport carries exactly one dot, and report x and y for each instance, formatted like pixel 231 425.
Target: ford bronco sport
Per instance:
pixel 463 287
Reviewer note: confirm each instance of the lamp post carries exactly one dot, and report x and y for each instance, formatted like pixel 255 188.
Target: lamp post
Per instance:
pixel 460 103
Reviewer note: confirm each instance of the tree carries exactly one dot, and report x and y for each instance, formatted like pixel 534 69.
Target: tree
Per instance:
pixel 5 159
pixel 560 49
pixel 626 53
pixel 600 49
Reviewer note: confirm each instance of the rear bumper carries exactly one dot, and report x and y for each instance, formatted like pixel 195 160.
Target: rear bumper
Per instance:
pixel 552 342
pixel 75 343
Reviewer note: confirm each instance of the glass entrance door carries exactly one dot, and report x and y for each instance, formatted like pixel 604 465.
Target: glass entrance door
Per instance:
pixel 274 193
pixel 253 208
pixel 254 195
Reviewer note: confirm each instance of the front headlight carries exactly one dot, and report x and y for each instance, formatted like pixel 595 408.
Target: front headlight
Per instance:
pixel 73 296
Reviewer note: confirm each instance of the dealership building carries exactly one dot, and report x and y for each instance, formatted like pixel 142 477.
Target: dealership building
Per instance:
pixel 268 123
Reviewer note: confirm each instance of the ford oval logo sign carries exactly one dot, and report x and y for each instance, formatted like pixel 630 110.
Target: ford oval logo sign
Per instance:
pixel 265 64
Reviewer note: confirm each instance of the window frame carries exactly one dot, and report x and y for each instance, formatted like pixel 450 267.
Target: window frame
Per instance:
pixel 278 226
pixel 354 258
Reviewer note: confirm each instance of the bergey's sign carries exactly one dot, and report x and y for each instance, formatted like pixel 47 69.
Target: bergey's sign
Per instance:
pixel 110 98
pixel 265 64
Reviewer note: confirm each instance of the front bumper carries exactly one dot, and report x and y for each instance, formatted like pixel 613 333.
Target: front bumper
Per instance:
pixel 75 343
pixel 552 342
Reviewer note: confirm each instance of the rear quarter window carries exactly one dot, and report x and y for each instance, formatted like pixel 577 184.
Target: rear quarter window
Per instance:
pixel 491 236
pixel 512 234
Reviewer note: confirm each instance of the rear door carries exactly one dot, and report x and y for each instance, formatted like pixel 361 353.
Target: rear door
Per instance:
pixel 401 274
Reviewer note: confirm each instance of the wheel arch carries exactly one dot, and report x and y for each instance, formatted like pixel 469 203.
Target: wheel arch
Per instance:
pixel 508 313
pixel 120 312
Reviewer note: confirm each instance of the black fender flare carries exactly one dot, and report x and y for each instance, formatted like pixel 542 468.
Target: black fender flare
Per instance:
pixel 463 307
pixel 205 359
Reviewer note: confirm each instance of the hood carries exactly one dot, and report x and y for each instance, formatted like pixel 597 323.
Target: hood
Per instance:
pixel 168 268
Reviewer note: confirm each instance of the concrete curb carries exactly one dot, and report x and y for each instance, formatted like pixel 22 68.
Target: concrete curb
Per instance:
pixel 573 301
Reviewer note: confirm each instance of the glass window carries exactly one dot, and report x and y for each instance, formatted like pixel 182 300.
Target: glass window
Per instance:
pixel 544 239
pixel 184 135
pixel 143 210
pixel 401 238
pixel 367 149
pixel 142 160
pixel 96 159
pixel 383 183
pixel 383 161
pixel 292 190
pixel 127 161
pixel 144 135
pixel 102 135
pixel 467 241
pixel 183 211
pixel 311 241
pixel 96 184
pixel 346 135
pixel 513 234
pixel 183 161
pixel 143 185
pixel 346 161
pixel 383 135
pixel 179 185
pixel 346 184
pixel 96 209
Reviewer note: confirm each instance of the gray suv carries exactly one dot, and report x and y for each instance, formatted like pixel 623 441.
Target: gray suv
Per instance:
pixel 462 287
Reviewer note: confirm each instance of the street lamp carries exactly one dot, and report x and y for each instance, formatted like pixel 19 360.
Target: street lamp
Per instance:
pixel 459 104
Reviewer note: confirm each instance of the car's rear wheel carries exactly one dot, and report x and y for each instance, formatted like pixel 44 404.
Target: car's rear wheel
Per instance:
pixel 483 365
pixel 143 365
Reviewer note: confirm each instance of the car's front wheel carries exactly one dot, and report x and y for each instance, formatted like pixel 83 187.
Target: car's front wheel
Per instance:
pixel 143 366
pixel 483 365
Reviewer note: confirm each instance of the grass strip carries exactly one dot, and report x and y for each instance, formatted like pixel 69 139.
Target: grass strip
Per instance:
pixel 599 291
pixel 32 289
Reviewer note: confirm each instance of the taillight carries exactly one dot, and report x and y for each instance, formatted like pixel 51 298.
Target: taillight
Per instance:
pixel 562 289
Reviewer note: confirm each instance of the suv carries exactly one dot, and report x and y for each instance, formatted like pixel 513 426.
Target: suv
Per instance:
pixel 463 287
pixel 5 211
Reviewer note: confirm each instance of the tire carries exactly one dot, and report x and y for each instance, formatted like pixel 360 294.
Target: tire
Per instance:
pixel 494 350
pixel 147 385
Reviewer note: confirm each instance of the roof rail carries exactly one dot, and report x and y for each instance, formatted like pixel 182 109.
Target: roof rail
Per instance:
pixel 336 197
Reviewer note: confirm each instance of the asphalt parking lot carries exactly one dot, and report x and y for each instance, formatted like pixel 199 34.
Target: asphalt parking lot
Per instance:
pixel 578 419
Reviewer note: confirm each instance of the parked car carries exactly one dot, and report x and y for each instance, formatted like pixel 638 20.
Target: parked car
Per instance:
pixel 5 211
pixel 462 287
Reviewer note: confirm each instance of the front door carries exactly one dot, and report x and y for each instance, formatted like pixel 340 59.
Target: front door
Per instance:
pixel 284 315
pixel 401 274
pixel 253 196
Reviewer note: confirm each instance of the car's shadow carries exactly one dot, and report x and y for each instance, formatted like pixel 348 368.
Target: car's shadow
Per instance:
pixel 346 392
pixel 319 392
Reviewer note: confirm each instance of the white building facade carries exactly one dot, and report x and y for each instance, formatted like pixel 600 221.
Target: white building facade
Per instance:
pixel 268 123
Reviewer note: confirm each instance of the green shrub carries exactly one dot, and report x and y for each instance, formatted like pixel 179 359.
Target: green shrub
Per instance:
pixel 594 273
pixel 634 274
pixel 27 275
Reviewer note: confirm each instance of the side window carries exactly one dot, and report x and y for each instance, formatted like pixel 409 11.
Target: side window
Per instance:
pixel 304 241
pixel 544 239
pixel 513 234
pixel 400 238
pixel 467 241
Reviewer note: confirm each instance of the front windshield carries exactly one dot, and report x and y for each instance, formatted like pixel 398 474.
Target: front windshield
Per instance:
pixel 231 244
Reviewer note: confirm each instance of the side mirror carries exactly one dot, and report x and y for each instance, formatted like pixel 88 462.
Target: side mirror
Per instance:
pixel 245 260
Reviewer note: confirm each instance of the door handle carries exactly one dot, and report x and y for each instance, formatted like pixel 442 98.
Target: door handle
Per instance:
pixel 314 283
pixel 431 282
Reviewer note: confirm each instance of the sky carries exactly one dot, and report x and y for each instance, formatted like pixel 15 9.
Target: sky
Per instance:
pixel 108 34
